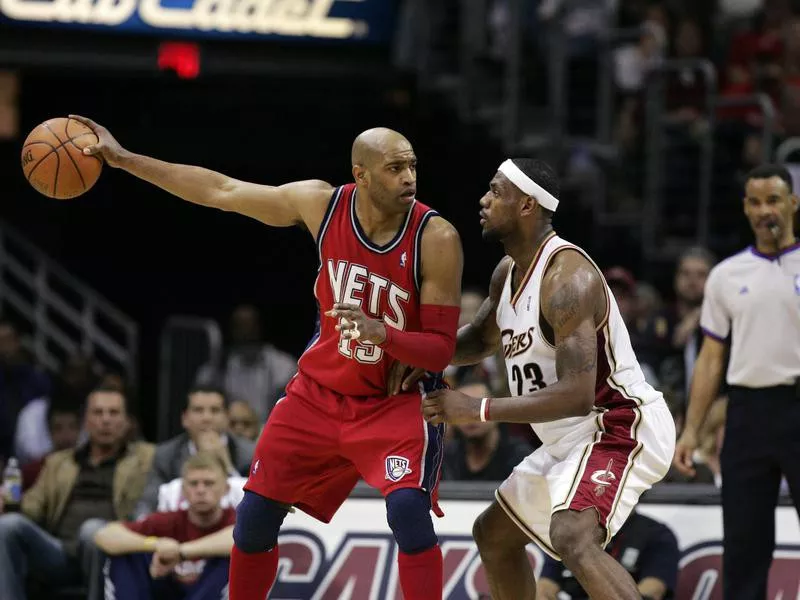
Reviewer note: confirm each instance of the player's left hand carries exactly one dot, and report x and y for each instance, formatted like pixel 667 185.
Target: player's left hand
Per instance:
pixel 449 406
pixel 355 325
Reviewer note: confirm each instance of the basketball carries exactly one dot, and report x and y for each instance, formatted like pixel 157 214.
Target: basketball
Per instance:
pixel 53 160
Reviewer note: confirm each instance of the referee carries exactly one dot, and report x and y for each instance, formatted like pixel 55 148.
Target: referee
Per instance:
pixel 752 305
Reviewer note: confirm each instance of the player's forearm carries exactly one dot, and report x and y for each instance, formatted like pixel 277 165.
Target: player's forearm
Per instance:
pixel 470 347
pixel 432 348
pixel 115 539
pixel 561 400
pixel 706 379
pixel 193 184
pixel 215 544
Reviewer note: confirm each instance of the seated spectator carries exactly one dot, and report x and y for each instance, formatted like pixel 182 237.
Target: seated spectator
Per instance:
pixel 171 496
pixel 243 420
pixel 20 382
pixel 646 548
pixel 481 451
pixel 50 541
pixel 64 429
pixel 672 337
pixel 706 457
pixel 205 421
pixel 252 370
pixel 70 389
pixel 178 555
pixel 622 284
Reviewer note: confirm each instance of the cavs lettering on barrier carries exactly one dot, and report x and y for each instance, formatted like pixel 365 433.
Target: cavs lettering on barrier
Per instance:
pixel 515 344
pixel 354 284
pixel 364 567
pixel 297 18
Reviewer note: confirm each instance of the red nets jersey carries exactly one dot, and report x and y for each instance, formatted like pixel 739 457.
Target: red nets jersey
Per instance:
pixel 383 280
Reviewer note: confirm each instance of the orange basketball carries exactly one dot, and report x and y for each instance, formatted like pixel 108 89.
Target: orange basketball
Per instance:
pixel 53 160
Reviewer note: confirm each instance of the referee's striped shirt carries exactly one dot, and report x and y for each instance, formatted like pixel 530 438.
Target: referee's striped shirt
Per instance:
pixel 754 300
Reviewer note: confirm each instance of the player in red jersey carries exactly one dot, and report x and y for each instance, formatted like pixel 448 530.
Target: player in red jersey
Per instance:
pixel 388 291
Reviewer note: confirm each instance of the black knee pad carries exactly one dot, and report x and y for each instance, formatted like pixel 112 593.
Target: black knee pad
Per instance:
pixel 258 521
pixel 408 513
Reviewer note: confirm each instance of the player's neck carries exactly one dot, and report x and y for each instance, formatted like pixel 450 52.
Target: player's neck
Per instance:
pixel 524 249
pixel 380 227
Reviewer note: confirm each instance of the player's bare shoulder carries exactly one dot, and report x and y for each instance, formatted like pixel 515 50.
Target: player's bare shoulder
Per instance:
pixel 442 262
pixel 572 290
pixel 440 242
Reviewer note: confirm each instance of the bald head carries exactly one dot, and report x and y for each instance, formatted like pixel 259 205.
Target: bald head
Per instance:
pixel 373 144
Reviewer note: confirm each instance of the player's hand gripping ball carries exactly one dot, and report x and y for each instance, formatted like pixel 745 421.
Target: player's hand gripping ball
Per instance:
pixel 53 160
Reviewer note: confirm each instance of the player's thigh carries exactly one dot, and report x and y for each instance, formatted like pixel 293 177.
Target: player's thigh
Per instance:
pixel 392 446
pixel 622 461
pixel 496 533
pixel 298 444
pixel 525 498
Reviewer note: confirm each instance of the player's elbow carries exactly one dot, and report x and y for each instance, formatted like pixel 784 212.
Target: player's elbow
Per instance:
pixel 583 403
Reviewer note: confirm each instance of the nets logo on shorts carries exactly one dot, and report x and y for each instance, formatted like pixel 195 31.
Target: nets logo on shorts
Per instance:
pixel 396 468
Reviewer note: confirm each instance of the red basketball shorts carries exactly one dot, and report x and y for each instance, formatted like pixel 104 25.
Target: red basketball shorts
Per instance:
pixel 317 444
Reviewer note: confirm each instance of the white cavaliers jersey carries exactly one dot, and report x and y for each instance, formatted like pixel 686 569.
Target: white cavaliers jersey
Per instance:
pixel 531 359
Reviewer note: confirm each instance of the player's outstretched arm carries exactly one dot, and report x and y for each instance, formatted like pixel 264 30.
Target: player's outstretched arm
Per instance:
pixel 573 303
pixel 301 202
pixel 481 337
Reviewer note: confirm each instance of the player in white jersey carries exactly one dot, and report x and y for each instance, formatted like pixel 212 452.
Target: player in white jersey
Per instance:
pixel 607 435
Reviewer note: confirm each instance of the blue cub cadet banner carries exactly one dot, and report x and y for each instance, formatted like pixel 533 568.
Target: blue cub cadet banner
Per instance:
pixel 361 21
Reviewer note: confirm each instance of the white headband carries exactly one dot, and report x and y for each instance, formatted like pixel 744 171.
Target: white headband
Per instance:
pixel 528 185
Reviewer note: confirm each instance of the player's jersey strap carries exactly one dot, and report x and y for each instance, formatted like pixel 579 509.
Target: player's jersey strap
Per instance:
pixel 326 219
pixel 383 280
pixel 418 246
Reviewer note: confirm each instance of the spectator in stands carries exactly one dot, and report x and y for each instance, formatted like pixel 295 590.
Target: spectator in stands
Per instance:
pixel 623 286
pixel 179 555
pixel 70 389
pixel 634 62
pixel 243 421
pixel 77 492
pixel 646 548
pixel 672 338
pixel 686 87
pixel 707 455
pixel 63 431
pixel 481 451
pixel 20 382
pixel 205 423
pixel 252 370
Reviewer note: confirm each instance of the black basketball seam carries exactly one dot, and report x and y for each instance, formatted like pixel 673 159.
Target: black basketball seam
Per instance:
pixel 52 148
pixel 58 158
pixel 74 164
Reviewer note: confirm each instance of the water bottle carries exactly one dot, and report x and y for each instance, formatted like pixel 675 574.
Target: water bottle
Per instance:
pixel 12 484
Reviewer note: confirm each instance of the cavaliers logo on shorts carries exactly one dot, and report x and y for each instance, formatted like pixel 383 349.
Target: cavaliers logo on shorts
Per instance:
pixel 396 468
